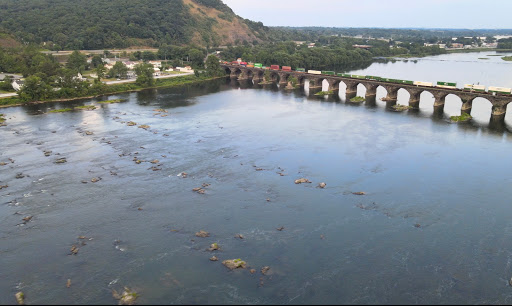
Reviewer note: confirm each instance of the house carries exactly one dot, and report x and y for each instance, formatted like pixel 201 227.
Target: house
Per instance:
pixel 457 46
pixel 362 46
pixel 311 45
pixel 17 84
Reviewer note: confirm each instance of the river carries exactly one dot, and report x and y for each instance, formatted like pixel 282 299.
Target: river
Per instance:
pixel 434 225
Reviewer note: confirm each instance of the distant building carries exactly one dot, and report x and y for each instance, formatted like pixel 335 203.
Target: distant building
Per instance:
pixel 362 46
pixel 17 84
pixel 457 46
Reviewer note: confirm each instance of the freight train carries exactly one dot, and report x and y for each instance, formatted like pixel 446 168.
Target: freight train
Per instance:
pixel 450 85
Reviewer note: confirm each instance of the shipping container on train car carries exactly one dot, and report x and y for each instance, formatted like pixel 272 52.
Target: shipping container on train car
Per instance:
pixel 499 90
pixel 258 65
pixel 286 68
pixel 419 83
pixel 373 78
pixel 274 67
pixel 314 72
pixel 343 75
pixel 243 64
pixel 234 63
pixel 471 87
pixel 250 66
pixel 447 85
pixel 300 70
pixel 355 76
pixel 329 72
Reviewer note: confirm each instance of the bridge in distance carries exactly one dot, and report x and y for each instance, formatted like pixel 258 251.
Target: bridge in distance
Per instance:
pixel 499 102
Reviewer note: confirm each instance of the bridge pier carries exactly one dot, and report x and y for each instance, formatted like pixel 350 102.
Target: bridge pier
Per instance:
pixel 371 90
pixel 467 104
pixel 414 98
pixel 315 83
pixel 283 78
pixel 334 85
pixel 499 111
pixel 439 100
pixel 351 88
pixel 392 93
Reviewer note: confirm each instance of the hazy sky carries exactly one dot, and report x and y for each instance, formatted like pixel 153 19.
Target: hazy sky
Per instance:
pixel 469 14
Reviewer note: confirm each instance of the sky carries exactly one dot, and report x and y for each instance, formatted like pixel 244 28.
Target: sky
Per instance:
pixel 454 14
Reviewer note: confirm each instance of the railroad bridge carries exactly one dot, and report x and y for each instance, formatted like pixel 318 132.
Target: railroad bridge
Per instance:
pixel 499 103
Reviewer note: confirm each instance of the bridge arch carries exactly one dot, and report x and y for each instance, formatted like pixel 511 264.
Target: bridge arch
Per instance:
pixel 453 104
pixel 235 73
pixel 481 110
pixel 427 99
pixel 403 96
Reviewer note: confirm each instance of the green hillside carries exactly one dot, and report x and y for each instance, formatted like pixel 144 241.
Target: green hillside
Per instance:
pixel 98 24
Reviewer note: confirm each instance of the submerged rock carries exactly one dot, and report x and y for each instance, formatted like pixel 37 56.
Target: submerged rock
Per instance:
pixel 213 258
pixel 214 247
pixel 302 180
pixel 322 185
pixel 131 123
pixel 68 283
pixel 61 160
pixel 280 228
pixel 20 298
pixel 202 234
pixel 234 263
pixel 264 270
pixel 128 296
pixel 359 193
pixel 239 236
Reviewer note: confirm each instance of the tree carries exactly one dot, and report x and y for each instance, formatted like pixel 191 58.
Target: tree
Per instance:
pixel 96 61
pixel 213 68
pixel 197 58
pixel 144 73
pixel 101 71
pixel 119 70
pixel 77 62
pixel 34 89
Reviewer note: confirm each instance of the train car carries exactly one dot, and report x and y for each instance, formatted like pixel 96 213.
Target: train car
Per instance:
pixel 447 85
pixel 243 64
pixel 274 67
pixel 258 65
pixel 372 77
pixel 355 76
pixel 300 70
pixel 250 66
pixel 343 75
pixel 314 72
pixel 471 87
pixel 403 82
pixel 499 90
pixel 427 84
pixel 329 72
pixel 235 63
pixel 286 68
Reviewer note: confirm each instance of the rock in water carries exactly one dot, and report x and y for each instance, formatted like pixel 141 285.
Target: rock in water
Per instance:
pixel 234 263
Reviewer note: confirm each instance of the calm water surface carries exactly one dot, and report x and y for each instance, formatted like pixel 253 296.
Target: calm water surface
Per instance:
pixel 435 224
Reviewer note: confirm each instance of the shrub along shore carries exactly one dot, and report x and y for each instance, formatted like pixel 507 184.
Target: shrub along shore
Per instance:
pixel 115 89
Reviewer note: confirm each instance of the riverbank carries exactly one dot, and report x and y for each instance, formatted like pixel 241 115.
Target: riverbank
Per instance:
pixel 116 89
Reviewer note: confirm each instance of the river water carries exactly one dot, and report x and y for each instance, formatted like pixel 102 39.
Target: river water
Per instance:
pixel 433 227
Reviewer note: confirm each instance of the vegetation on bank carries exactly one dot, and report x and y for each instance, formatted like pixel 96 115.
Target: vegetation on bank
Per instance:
pixel 462 118
pixel 103 89
pixel 324 93
pixel 357 99
pixel 507 58
pixel 112 101
pixel 400 107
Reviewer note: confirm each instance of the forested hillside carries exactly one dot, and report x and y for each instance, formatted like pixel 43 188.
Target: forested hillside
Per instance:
pixel 98 24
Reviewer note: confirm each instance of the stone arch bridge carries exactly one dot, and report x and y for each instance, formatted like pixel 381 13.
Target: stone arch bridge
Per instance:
pixel 499 102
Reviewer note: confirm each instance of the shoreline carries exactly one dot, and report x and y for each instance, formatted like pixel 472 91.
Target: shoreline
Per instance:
pixel 111 93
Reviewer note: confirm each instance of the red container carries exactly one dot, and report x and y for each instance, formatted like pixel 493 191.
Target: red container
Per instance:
pixel 274 67
pixel 286 68
pixel 243 63
pixel 234 63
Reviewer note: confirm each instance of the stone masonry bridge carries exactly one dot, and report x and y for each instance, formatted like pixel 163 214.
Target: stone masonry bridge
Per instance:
pixel 499 103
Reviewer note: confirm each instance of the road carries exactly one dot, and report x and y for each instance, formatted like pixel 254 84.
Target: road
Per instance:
pixel 156 77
